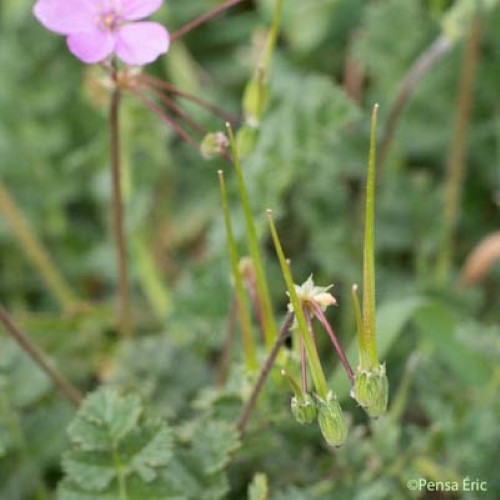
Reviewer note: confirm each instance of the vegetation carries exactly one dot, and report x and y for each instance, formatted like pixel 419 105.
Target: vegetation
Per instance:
pixel 164 352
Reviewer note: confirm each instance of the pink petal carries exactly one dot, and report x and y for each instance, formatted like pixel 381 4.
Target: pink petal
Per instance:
pixel 66 16
pixel 139 9
pixel 93 46
pixel 141 43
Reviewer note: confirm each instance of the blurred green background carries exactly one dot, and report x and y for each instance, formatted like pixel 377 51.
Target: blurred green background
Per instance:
pixel 439 319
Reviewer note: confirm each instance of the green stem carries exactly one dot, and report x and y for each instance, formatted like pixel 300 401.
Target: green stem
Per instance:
pixel 362 348
pixel 456 165
pixel 125 315
pixel 273 33
pixel 294 386
pixel 242 302
pixel 369 339
pixel 36 252
pixel 150 278
pixel 223 364
pixel 253 246
pixel 68 390
pixel 120 476
pixel 312 353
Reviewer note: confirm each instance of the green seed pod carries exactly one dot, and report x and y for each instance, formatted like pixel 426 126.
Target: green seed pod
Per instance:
pixel 371 390
pixel 331 420
pixel 304 410
pixel 214 145
pixel 246 140
pixel 255 98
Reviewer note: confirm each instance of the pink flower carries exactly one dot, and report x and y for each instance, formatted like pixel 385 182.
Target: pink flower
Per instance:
pixel 96 29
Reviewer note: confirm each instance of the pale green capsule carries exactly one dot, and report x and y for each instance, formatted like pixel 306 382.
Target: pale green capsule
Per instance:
pixel 304 410
pixel 255 98
pixel 246 140
pixel 371 391
pixel 331 420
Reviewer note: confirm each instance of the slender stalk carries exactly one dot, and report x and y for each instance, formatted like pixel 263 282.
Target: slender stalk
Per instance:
pixel 273 34
pixel 170 104
pixel 150 279
pixel 264 373
pixel 228 343
pixel 241 297
pixel 253 246
pixel 166 119
pixel 426 61
pixel 362 348
pixel 151 80
pixel 68 390
pixel 203 19
pixel 456 164
pixel 36 252
pixel 343 358
pixel 120 474
pixel 303 364
pixel 299 393
pixel 125 315
pixel 369 250
pixel 312 353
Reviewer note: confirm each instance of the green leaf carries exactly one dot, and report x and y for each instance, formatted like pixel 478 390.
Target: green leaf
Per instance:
pixel 115 449
pixel 213 444
pixel 438 326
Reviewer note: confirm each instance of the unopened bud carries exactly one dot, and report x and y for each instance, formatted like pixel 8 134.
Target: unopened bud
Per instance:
pixel 371 390
pixel 304 409
pixel 331 420
pixel 213 145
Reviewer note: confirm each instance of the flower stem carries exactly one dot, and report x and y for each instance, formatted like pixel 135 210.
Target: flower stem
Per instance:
pixel 36 252
pixel 177 110
pixel 241 298
pixel 203 19
pixel 299 392
pixel 456 164
pixel 69 391
pixel 223 364
pixel 341 354
pixel 264 373
pixel 152 81
pixel 166 119
pixel 125 315
pixel 426 61
pixel 253 247
pixel 312 353
pixel 362 348
pixel 369 250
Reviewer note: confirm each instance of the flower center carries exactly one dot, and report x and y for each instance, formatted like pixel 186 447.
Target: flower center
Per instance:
pixel 109 21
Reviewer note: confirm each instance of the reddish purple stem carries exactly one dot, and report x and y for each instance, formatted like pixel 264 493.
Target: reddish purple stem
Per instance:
pixel 170 104
pixel 165 118
pixel 203 19
pixel 168 87
pixel 322 318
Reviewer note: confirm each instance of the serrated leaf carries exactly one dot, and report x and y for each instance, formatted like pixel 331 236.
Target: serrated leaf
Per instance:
pixel 107 411
pixel 213 444
pixel 154 455
pixel 116 452
pixel 89 472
